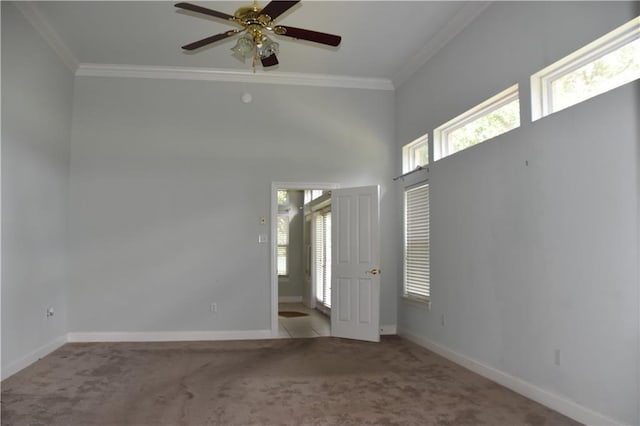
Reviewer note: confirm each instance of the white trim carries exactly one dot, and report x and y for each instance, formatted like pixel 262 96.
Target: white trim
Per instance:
pixel 152 336
pixel 35 18
pixel 542 81
pixel 167 336
pixel 542 396
pixel 408 151
pixel 416 303
pixel 320 203
pixel 388 330
pixel 33 356
pixel 441 145
pixel 289 299
pixel 459 22
pixel 275 186
pixel 420 291
pixel 229 75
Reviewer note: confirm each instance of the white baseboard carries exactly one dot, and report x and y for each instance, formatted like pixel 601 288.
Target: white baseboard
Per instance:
pixel 388 330
pixel 162 336
pixel 542 396
pixel 289 299
pixel 167 336
pixel 32 357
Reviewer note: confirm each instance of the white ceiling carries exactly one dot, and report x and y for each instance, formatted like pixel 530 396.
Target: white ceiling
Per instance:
pixel 380 39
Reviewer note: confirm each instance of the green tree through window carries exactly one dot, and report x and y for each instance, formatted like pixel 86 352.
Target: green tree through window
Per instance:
pixel 609 71
pixel 486 127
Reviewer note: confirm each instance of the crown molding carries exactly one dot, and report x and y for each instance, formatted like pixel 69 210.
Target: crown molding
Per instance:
pixel 459 22
pixel 35 18
pixel 228 75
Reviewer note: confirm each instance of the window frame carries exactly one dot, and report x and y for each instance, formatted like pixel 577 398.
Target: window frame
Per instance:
pixel 284 214
pixel 321 222
pixel 542 81
pixel 408 151
pixel 285 202
pixel 441 133
pixel 284 206
pixel 407 295
pixel 312 194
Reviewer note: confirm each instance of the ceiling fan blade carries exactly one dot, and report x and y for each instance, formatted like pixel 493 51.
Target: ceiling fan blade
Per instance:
pixel 200 43
pixel 204 10
pixel 269 61
pixel 277 8
pixel 302 34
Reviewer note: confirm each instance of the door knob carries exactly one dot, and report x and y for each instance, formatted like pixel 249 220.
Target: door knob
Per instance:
pixel 374 271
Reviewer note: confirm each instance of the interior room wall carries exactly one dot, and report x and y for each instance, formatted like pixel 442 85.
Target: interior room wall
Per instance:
pixel 169 180
pixel 534 233
pixel 36 120
pixel 292 286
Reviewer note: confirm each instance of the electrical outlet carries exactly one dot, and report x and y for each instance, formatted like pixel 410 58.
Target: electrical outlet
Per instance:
pixel 50 312
pixel 556 357
pixel 213 308
pixel 443 320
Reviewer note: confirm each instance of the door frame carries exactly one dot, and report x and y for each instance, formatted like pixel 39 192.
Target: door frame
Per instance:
pixel 273 258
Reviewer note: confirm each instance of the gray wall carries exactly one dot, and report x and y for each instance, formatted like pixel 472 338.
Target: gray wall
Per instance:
pixel 36 119
pixel 169 180
pixel 293 285
pixel 530 259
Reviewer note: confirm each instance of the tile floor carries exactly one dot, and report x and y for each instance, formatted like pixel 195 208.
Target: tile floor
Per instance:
pixel 314 325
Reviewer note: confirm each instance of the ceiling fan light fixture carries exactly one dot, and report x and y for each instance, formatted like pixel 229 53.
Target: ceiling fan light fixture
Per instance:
pixel 244 49
pixel 267 48
pixel 255 21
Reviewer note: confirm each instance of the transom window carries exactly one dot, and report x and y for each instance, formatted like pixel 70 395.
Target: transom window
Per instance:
pixel 283 198
pixel 491 118
pixel 415 154
pixel 607 63
pixel 312 194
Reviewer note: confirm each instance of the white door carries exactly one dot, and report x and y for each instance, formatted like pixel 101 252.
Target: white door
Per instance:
pixel 355 266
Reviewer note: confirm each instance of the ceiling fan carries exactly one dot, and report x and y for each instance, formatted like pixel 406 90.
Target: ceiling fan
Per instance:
pixel 255 22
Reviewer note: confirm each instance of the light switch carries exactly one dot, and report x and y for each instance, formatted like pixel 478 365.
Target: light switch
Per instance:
pixel 262 238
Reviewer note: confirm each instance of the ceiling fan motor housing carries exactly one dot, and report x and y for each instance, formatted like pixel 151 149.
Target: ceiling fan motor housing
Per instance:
pixel 255 20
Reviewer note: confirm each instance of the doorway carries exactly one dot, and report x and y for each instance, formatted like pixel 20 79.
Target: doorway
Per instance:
pixel 300 267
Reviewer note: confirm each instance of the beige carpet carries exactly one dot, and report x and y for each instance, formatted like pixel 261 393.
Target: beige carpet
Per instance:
pixel 322 381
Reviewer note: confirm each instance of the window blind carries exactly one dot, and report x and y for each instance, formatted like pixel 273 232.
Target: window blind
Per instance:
pixel 319 257
pixel 327 255
pixel 417 245
pixel 323 258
